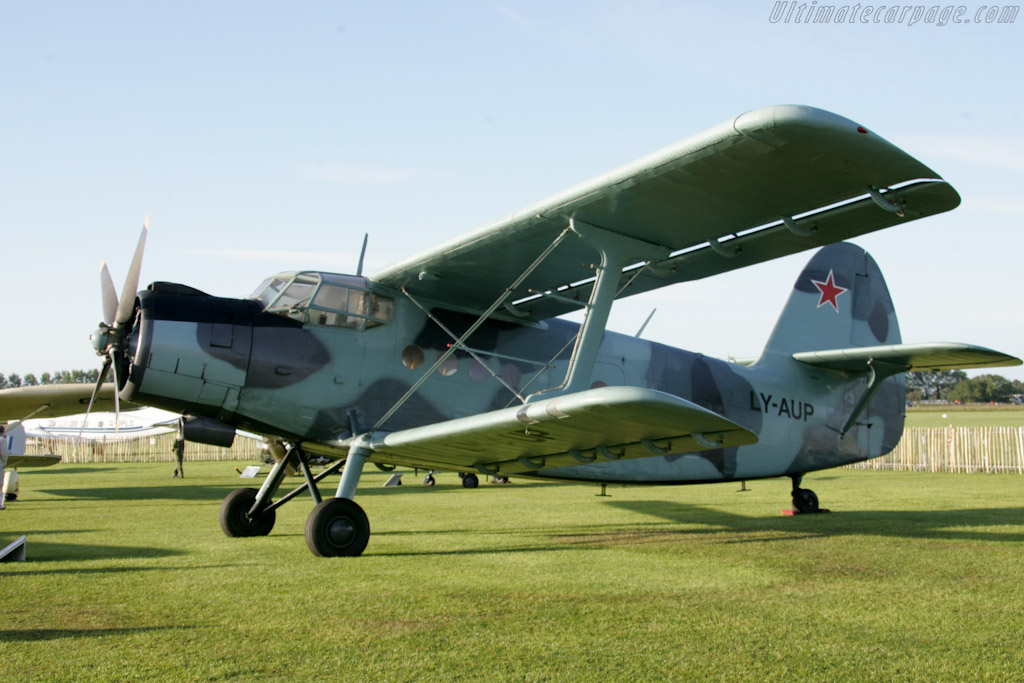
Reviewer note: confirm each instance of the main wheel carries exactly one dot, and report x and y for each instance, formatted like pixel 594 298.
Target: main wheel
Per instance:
pixel 337 527
pixel 805 501
pixel 235 519
pixel 470 481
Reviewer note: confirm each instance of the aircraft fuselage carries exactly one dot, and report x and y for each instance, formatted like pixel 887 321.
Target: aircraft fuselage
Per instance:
pixel 318 381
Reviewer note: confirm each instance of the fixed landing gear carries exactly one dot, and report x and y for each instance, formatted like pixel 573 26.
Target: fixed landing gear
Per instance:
pixel 805 501
pixel 429 479
pixel 469 481
pixel 235 517
pixel 337 527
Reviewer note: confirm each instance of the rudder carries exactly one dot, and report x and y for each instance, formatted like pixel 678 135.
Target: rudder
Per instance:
pixel 839 300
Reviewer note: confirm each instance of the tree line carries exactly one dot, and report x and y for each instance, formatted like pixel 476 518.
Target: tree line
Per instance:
pixel 955 385
pixel 14 380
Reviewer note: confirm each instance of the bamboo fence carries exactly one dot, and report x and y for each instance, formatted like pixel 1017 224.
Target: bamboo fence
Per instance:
pixel 987 450
pixel 143 449
pixel 951 449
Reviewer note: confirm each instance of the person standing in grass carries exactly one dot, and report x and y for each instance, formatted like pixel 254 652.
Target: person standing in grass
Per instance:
pixel 179 456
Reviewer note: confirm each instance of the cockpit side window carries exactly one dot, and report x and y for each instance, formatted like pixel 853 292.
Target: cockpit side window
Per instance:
pixel 269 289
pixel 325 299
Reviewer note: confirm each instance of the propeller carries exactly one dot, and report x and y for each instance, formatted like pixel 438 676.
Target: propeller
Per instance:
pixel 111 336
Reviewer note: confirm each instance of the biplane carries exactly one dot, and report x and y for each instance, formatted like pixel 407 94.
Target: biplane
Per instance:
pixel 457 358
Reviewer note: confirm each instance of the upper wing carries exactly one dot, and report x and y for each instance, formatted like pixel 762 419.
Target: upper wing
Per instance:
pixel 712 202
pixel 608 423
pixel 913 357
pixel 53 400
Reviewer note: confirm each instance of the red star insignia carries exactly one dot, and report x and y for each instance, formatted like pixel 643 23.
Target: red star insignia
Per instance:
pixel 830 291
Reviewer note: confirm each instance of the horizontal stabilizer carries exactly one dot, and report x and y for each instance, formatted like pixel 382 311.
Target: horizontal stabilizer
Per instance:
pixel 607 423
pixel 912 357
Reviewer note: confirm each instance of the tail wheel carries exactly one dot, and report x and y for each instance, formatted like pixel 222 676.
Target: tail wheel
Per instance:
pixel 235 519
pixel 337 527
pixel 805 501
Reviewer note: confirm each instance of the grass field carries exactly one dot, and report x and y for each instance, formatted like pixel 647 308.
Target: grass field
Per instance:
pixel 965 416
pixel 912 577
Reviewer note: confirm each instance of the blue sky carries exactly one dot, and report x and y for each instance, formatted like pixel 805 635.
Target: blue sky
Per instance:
pixel 263 137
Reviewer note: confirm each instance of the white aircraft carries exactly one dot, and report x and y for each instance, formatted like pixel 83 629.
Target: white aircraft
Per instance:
pixel 104 425
pixel 16 458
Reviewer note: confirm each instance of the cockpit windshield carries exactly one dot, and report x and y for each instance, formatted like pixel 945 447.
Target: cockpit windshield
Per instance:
pixel 325 299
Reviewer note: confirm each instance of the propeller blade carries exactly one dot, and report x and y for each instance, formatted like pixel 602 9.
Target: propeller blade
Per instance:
pixel 117 393
pixel 109 295
pixel 131 283
pixel 92 399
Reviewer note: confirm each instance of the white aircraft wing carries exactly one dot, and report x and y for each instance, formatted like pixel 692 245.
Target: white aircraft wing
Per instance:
pixel 597 425
pixel 769 183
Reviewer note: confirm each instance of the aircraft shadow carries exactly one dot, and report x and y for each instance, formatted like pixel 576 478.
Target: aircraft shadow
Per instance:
pixel 934 524
pixel 82 571
pixel 71 469
pixel 179 491
pixel 43 551
pixel 217 492
pixel 32 634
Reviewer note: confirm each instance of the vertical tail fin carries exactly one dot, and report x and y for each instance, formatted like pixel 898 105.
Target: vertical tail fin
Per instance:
pixel 840 300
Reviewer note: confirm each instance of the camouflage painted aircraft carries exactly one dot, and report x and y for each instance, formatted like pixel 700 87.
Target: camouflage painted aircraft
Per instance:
pixel 456 359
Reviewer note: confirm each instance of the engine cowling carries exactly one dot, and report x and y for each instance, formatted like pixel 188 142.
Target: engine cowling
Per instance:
pixel 193 353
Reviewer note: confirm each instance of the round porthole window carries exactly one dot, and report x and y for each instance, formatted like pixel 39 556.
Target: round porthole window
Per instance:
pixel 478 370
pixel 412 356
pixel 450 366
pixel 511 374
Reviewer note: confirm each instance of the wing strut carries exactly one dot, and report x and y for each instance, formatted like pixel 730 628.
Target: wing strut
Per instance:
pixel 472 328
pixel 616 253
pixel 465 348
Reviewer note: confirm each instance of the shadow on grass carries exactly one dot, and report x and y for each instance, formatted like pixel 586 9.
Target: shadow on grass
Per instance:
pixel 934 524
pixel 545 548
pixel 82 571
pixel 28 635
pixel 217 492
pixel 678 523
pixel 62 552
pixel 73 469
pixel 169 492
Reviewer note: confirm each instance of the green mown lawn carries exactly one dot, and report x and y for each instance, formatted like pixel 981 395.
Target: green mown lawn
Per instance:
pixel 912 577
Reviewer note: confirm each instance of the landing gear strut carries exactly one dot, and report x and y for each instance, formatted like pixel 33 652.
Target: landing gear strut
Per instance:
pixel 804 500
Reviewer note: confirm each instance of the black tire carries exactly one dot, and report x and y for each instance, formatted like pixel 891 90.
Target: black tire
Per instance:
pixel 337 527
pixel 235 519
pixel 499 479
pixel 470 481
pixel 10 497
pixel 428 480
pixel 805 501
